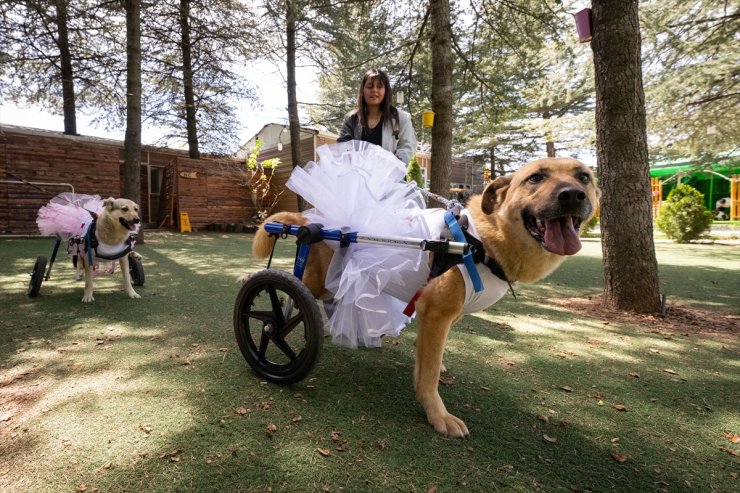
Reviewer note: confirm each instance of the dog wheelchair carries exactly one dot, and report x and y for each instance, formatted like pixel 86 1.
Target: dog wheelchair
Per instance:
pixel 277 322
pixel 85 245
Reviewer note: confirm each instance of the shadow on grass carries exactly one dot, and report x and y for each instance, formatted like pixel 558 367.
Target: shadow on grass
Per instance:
pixel 134 395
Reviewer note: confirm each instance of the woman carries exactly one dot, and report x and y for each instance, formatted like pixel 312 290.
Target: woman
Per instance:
pixel 377 121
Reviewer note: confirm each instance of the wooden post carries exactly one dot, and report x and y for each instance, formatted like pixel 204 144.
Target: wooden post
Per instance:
pixel 734 197
pixel 657 194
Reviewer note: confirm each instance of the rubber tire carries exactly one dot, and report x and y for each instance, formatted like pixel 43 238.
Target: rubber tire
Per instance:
pixel 37 277
pixel 273 283
pixel 136 269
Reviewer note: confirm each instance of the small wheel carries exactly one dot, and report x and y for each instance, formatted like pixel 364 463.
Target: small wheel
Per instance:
pixel 37 277
pixel 278 326
pixel 136 269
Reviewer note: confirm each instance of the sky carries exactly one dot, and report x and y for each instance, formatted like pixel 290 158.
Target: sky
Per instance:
pixel 266 78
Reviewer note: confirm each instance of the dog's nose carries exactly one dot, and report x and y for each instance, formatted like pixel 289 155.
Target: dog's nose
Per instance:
pixel 137 220
pixel 571 196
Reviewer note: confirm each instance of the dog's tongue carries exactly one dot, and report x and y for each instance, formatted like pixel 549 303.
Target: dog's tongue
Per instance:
pixel 561 238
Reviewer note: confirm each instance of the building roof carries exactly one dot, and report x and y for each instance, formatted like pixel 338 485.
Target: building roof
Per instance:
pixel 273 133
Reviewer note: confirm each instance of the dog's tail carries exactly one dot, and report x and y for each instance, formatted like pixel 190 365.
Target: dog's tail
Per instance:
pixel 263 243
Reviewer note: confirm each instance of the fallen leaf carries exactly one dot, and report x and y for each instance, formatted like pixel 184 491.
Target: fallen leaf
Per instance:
pixel 171 454
pixel 223 349
pixel 732 437
pixel 619 407
pixel 566 388
pixel 335 436
pixel 731 452
pixel 618 457
pixel 271 428
pixel 324 451
pixel 264 405
pixel 615 440
pixel 549 439
pixel 240 410
pixel 668 370
pixel 653 350
pixel 600 403
pixel 432 489
pixel 446 381
pixel 544 419
pixel 635 374
pixel 296 419
pixel 81 487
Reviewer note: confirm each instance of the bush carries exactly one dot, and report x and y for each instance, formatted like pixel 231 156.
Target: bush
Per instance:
pixel 683 216
pixel 590 225
pixel 414 172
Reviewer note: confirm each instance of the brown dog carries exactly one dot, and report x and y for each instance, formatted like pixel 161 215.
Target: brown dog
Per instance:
pixel 113 227
pixel 527 221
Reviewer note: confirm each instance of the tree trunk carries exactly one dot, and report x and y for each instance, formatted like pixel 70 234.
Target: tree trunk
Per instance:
pixel 630 266
pixel 293 120
pixel 66 71
pixel 442 65
pixel 549 144
pixel 187 80
pixel 132 140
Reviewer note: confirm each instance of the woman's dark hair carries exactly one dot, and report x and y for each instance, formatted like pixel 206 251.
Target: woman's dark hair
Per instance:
pixel 387 111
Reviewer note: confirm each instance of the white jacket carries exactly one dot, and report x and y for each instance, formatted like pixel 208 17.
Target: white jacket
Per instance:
pixel 400 141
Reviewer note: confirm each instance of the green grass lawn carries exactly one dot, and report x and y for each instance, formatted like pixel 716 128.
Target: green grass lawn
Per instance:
pixel 153 395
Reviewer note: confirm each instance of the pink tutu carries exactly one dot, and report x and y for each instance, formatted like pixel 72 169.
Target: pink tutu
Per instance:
pixel 68 214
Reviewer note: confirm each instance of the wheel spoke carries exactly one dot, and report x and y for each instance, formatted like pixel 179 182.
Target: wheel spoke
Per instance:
pixel 264 341
pixel 284 347
pixel 276 309
pixel 260 315
pixel 290 325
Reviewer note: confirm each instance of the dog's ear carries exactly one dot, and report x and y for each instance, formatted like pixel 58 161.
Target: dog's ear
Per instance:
pixel 495 193
pixel 108 203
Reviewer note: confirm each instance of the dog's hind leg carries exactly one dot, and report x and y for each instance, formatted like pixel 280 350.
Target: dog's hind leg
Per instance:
pixel 123 261
pixel 439 306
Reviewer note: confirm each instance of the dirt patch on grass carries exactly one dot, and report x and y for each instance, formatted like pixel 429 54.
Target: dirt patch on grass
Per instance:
pixel 678 319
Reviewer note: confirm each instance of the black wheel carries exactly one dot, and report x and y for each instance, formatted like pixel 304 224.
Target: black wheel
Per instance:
pixel 136 269
pixel 278 326
pixel 37 277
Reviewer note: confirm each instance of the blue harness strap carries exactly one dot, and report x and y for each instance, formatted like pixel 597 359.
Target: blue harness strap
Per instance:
pixel 458 235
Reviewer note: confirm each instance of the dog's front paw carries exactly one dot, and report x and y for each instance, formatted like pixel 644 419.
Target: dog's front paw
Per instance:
pixel 450 426
pixel 88 298
pixel 133 294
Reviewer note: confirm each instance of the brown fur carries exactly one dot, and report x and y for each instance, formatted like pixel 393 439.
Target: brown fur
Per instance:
pixel 109 230
pixel 498 218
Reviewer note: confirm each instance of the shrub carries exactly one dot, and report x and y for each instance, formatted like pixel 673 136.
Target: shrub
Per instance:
pixel 590 225
pixel 414 172
pixel 683 216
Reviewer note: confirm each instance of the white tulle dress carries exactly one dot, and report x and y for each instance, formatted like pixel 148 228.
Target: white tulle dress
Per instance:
pixel 357 186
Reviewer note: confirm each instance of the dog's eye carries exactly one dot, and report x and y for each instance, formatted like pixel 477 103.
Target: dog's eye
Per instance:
pixel 585 178
pixel 536 178
pixel 124 208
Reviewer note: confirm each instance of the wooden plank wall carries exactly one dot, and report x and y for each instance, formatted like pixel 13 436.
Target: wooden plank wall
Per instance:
pixel 94 166
pixel 91 169
pixel 209 194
